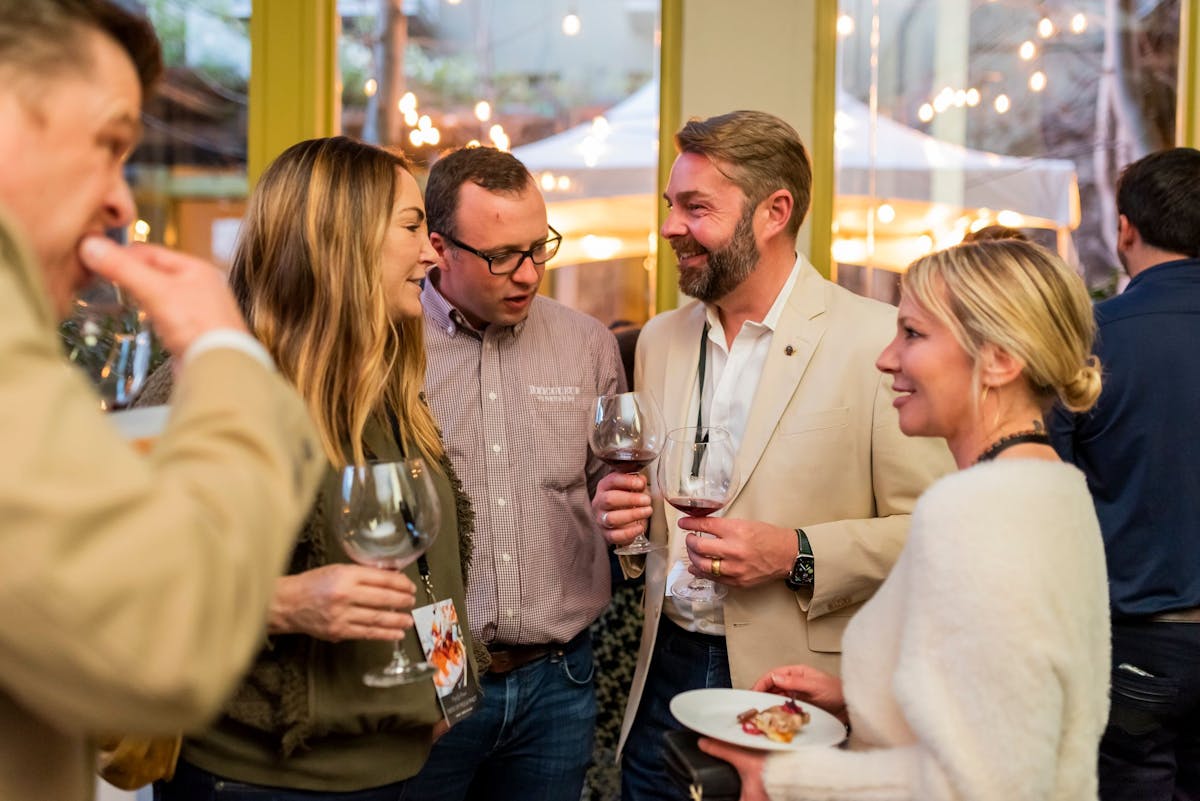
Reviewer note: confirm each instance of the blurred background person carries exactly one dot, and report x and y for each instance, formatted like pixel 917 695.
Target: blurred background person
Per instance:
pixel 980 668
pixel 134 588
pixel 1139 449
pixel 328 272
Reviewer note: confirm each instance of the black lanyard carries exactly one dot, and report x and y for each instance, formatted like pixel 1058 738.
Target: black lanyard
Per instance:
pixel 422 562
pixel 701 368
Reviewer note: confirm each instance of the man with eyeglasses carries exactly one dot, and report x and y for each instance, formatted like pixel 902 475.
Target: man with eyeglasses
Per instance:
pixel 512 379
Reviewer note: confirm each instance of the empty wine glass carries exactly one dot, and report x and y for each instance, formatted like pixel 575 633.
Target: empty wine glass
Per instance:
pixel 697 474
pixel 389 516
pixel 627 434
pixel 113 343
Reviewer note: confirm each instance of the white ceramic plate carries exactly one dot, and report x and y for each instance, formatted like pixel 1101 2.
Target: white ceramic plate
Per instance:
pixel 714 713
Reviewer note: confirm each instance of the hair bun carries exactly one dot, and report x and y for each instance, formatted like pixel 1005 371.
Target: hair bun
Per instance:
pixel 1080 392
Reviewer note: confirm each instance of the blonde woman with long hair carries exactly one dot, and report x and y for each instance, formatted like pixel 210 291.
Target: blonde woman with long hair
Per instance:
pixel 327 272
pixel 979 670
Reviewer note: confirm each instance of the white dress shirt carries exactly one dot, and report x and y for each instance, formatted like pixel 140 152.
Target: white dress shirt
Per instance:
pixel 730 382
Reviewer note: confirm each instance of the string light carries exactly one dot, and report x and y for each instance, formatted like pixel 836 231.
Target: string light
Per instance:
pixel 1002 104
pixel 370 87
pixel 1037 81
pixel 407 103
pixel 1079 23
pixel 925 112
pixel 886 213
pixel 1027 51
pixel 572 25
pixel 483 111
pixel 973 97
pixel 141 231
pixel 1045 28
pixel 845 25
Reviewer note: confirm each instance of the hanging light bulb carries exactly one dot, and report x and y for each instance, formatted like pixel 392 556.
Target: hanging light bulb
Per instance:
pixel 1002 104
pixel 845 25
pixel 1079 23
pixel 571 25
pixel 483 111
pixel 1037 81
pixel 1045 28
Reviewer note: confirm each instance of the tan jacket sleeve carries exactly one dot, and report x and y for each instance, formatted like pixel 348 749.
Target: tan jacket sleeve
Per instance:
pixel 133 590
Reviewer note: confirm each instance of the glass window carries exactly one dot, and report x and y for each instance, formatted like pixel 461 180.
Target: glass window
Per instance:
pixel 957 115
pixel 568 87
pixel 189 174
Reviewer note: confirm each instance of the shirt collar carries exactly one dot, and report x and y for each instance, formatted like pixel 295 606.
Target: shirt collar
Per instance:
pixel 443 314
pixel 771 320
pixel 1159 270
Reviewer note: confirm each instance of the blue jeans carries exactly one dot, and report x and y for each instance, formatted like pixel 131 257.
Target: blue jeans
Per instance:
pixel 682 661
pixel 530 738
pixel 1151 748
pixel 193 784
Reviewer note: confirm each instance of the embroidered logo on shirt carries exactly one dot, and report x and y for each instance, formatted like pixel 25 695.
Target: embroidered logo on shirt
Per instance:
pixel 553 394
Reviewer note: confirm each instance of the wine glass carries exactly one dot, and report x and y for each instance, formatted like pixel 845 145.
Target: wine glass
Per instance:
pixel 389 516
pixel 627 434
pixel 697 474
pixel 113 343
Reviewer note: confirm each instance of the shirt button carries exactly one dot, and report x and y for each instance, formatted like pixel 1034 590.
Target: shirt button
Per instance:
pixel 491 396
pixel 506 557
pixel 496 448
pixel 501 502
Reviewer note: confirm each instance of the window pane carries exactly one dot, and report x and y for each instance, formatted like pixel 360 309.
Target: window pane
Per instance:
pixel 1012 112
pixel 189 174
pixel 568 87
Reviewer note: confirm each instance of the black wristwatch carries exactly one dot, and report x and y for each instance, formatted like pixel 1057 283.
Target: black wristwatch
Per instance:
pixel 803 573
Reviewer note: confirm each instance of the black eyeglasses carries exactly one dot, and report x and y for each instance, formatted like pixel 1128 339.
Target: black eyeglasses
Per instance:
pixel 507 262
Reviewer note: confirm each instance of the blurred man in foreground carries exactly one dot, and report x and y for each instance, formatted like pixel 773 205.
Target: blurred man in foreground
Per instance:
pixel 133 589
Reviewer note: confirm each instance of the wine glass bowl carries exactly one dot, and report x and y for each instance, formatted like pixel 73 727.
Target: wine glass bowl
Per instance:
pixel 627 435
pixel 113 344
pixel 389 516
pixel 697 474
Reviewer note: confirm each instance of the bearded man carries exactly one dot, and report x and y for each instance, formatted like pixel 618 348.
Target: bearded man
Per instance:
pixel 784 360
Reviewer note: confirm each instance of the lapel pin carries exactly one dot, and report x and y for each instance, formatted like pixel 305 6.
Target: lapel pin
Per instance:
pixel 789 350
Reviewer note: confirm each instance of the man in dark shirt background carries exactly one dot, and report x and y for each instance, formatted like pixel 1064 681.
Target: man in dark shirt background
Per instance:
pixel 1140 450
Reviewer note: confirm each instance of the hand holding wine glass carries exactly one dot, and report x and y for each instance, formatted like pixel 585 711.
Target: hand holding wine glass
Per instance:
pixel 627 434
pixel 389 515
pixel 697 474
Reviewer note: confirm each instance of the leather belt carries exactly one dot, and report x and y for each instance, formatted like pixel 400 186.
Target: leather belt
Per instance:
pixel 507 658
pixel 1178 616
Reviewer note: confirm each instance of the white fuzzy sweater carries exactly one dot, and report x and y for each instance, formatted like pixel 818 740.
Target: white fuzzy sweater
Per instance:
pixel 980 669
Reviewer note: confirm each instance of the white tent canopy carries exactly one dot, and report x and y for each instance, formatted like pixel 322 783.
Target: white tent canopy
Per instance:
pixel 599 180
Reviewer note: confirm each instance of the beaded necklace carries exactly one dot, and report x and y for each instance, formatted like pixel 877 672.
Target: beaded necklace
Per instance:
pixel 1036 435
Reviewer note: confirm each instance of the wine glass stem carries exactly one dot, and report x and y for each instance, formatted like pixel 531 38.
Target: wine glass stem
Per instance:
pixel 398 656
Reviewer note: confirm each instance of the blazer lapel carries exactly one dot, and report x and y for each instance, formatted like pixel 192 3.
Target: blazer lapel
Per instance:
pixel 679 387
pixel 800 329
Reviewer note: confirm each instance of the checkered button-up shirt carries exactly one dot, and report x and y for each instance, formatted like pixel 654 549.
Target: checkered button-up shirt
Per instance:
pixel 515 405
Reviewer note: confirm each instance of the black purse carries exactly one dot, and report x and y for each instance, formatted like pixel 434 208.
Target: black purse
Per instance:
pixel 699 777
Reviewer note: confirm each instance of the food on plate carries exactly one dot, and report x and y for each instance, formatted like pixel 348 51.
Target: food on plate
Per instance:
pixel 779 723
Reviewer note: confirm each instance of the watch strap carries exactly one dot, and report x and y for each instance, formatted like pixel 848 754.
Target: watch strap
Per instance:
pixel 803 572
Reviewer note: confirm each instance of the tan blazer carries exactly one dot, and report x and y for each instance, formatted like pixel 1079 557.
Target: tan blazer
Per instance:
pixel 822 450
pixel 133 589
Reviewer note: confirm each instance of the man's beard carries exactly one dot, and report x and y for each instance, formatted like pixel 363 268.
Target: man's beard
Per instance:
pixel 727 267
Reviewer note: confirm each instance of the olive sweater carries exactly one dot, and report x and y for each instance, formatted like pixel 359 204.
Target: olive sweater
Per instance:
pixel 303 719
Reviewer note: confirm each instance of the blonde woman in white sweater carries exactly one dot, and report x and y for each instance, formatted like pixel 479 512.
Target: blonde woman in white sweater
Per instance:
pixel 980 668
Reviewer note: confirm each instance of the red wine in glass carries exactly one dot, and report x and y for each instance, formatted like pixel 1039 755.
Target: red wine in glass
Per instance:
pixel 696 507
pixel 627 434
pixel 628 460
